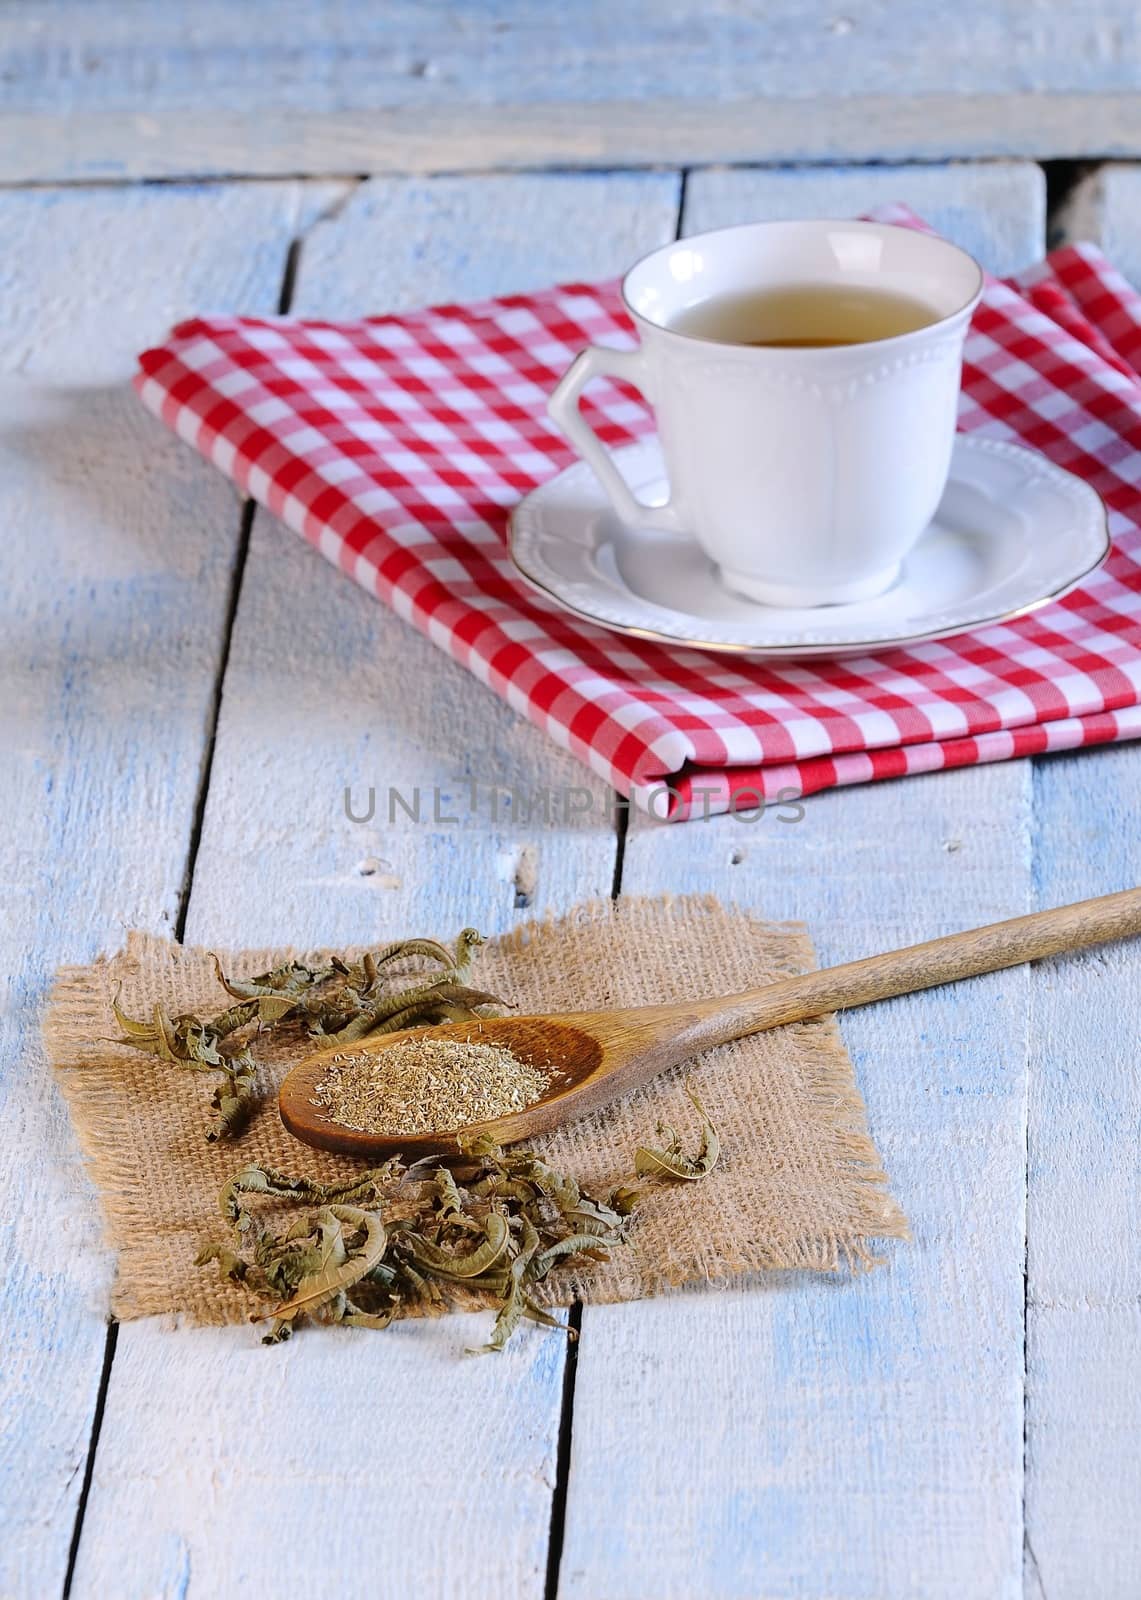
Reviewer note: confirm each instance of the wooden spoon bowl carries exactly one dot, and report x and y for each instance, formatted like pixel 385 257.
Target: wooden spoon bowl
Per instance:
pixel 560 1046
pixel 596 1056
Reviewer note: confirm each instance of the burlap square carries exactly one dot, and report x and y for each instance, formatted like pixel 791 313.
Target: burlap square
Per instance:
pixel 799 1184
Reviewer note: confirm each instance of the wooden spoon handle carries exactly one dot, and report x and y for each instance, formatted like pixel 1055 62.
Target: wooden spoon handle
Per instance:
pixel 922 966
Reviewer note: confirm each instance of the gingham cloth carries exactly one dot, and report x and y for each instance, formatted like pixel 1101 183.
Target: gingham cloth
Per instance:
pixel 397 446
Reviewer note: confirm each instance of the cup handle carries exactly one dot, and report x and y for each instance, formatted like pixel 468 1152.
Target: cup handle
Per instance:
pixel 598 361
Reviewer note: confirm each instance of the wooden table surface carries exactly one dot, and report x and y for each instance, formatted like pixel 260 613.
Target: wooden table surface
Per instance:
pixel 188 690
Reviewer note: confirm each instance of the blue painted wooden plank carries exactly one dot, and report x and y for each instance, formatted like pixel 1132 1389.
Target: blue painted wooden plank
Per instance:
pixel 342 1463
pixel 114 580
pixel 1083 1481
pixel 858 1439
pixel 95 89
pixel 412 53
pixel 1083 1476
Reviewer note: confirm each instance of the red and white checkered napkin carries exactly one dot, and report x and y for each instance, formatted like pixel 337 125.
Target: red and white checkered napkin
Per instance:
pixel 397 446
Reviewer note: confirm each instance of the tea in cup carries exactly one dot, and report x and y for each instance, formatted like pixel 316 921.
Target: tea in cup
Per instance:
pixel 804 378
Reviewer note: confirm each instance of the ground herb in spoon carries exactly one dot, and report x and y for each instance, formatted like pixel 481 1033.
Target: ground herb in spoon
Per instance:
pixel 426 1085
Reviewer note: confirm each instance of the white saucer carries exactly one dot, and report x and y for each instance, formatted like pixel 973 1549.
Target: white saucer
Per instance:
pixel 1011 533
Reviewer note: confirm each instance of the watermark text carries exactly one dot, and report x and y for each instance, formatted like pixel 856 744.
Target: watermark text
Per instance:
pixel 471 799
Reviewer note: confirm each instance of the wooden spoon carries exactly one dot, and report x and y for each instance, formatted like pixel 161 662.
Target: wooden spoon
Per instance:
pixel 595 1056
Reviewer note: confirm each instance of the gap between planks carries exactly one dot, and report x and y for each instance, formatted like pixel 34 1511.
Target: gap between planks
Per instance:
pixel 1064 172
pixel 245 531
pixel 621 809
pixel 1080 165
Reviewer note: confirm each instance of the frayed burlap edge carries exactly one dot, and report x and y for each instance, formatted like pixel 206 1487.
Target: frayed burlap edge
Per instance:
pixel 800 1185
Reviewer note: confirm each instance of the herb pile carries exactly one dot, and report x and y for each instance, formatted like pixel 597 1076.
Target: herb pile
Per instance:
pixel 396 1240
pixel 399 1241
pixel 339 1004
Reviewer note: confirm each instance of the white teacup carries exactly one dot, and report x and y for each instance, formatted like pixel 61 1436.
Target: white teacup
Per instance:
pixel 806 474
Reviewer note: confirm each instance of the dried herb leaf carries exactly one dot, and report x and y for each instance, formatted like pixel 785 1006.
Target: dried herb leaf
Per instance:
pixel 672 1162
pixel 235 1098
pixel 440 1001
pixel 290 981
pixel 340 1268
pixel 367 1188
pixel 515 1303
pixel 473 1263
pixel 625 1198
